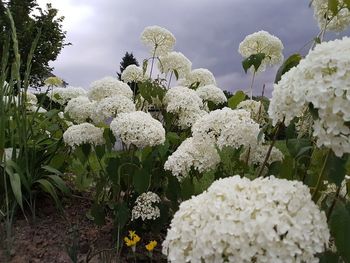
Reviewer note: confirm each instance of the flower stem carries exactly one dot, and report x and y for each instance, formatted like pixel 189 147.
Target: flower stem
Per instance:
pixel 251 85
pixel 153 57
pixel 320 176
pixel 171 75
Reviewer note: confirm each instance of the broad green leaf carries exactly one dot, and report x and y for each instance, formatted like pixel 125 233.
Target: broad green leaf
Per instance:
pixel 58 160
pixel 287 168
pixel 176 74
pixel 51 170
pixel 289 63
pixel 173 189
pixel 333 6
pixel 329 257
pixel 60 184
pixel 15 181
pixel 236 99
pixel 141 180
pixel 98 213
pixel 187 188
pixel 347 3
pixel 122 214
pixel 298 146
pixel 86 149
pixel 339 224
pixel 47 187
pixel 336 168
pixel 254 60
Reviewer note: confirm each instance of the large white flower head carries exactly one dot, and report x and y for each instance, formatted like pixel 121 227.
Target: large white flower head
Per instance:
pixel 111 107
pixel 256 109
pixel 158 39
pixel 227 127
pixel 181 99
pixel 201 75
pixel 108 87
pixel 186 118
pixel 324 16
pixel 192 154
pixel 322 79
pixel 258 153
pixel 238 220
pixel 138 128
pixel 133 73
pixel 211 93
pixel 84 133
pixel 145 207
pixel 63 95
pixel 80 109
pixel 31 98
pixel 175 61
pixel 262 42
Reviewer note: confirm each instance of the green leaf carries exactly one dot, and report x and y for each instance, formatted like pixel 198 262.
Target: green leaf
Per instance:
pixel 51 170
pixel 60 184
pixel 144 66
pixel 336 168
pixel 289 63
pixel 187 188
pixel 254 60
pixel 236 99
pixel 347 3
pixel 340 229
pixel 297 146
pixel 122 214
pixel 176 74
pixel 58 160
pixel 15 181
pixel 47 187
pixel 86 148
pixel 173 189
pixel 141 180
pixel 313 111
pixel 329 257
pixel 333 6
pixel 98 213
pixel 112 170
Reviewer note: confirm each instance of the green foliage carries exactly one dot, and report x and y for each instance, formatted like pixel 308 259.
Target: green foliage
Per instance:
pixel 127 60
pixel 253 60
pixel 289 63
pixel 333 6
pixel 234 100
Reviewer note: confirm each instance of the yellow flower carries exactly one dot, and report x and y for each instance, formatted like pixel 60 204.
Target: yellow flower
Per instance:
pixel 151 245
pixel 133 240
pixel 131 234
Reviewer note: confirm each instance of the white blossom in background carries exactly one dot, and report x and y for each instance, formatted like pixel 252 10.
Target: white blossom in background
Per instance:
pixel 201 75
pixel 36 108
pixel 185 119
pixel 84 133
pixel 132 73
pixel 145 207
pixel 31 98
pixel 63 95
pixel 227 127
pixel 175 61
pixel 324 16
pixel 192 154
pixel 262 42
pixel 108 87
pixel 80 109
pixel 211 93
pixel 182 98
pixel 256 109
pixel 138 128
pixel 322 79
pixel 238 220
pixel 158 39
pixel 258 153
pixel 111 107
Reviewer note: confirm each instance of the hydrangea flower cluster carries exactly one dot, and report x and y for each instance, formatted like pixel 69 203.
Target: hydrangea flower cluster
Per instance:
pixel 108 87
pixel 256 109
pixel 63 95
pixel 227 127
pixel 158 39
pixel 322 79
pixel 80 109
pixel 238 220
pixel 211 93
pixel 132 73
pixel 262 42
pixel 138 128
pixel 326 19
pixel 175 61
pixel 201 75
pixel 84 133
pixel 185 103
pixel 145 207
pixel 111 107
pixel 258 153
pixel 192 154
pixel 31 98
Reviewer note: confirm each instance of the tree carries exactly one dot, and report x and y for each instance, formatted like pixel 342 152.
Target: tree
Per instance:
pixel 127 60
pixel 30 20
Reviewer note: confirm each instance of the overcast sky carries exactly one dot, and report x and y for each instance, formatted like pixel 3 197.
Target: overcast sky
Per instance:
pixel 208 32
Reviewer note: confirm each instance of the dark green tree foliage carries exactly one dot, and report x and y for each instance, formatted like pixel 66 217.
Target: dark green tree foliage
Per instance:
pixel 30 19
pixel 127 60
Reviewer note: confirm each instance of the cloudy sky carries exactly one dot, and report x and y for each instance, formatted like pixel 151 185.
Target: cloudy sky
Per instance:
pixel 208 32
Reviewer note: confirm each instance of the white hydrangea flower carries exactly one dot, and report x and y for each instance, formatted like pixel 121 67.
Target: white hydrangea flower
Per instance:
pixel 201 75
pixel 258 153
pixel 84 133
pixel 238 220
pixel 256 109
pixel 175 61
pixel 227 127
pixel 262 42
pixel 322 79
pixel 145 207
pixel 182 98
pixel 31 98
pixel 36 108
pixel 138 128
pixel 192 154
pixel 80 109
pixel 133 73
pixel 186 118
pixel 211 93
pixel 158 39
pixel 111 107
pixel 108 87
pixel 324 16
pixel 63 95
